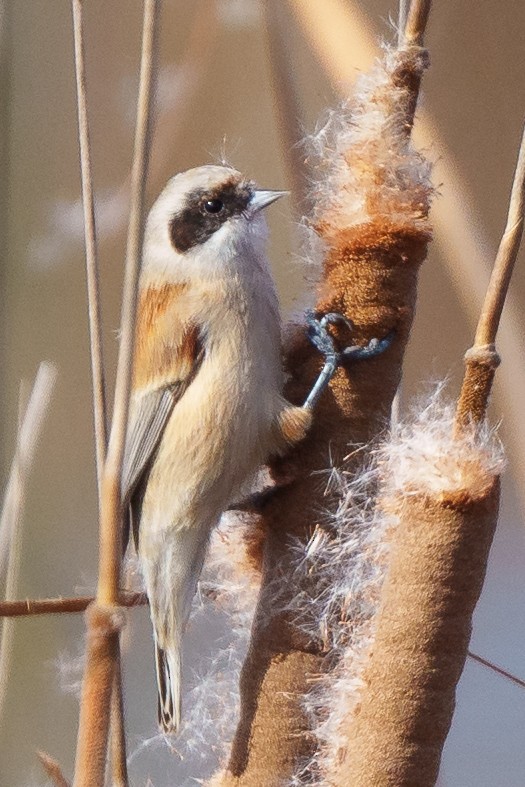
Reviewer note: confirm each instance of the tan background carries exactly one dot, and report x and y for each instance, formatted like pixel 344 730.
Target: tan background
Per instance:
pixel 221 101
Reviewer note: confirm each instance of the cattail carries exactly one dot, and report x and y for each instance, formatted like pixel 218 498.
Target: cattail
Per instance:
pixel 405 576
pixel 372 195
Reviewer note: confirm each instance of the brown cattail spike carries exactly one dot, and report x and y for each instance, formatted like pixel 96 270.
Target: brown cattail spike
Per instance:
pixel 372 196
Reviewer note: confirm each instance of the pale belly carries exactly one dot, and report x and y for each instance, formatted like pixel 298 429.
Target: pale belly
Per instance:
pixel 219 433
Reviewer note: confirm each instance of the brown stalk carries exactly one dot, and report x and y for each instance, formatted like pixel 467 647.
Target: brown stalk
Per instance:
pixel 52 606
pixel 370 275
pixel 13 505
pixel 499 670
pixel 110 535
pixel 105 617
pixel 482 359
pixel 92 273
pixel 118 746
pixel 53 770
pixel 404 7
pixel 118 767
pixel 416 22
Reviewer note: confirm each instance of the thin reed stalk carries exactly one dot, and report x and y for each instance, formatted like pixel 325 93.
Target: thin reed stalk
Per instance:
pixel 104 617
pixel 53 606
pixel 53 769
pixel 416 22
pixel 92 273
pixel 110 530
pixel 30 425
pixel 8 632
pixel 482 359
pixel 118 767
pixel 97 359
pixel 498 670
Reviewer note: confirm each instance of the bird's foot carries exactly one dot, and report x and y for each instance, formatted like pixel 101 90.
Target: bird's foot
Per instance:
pixel 319 336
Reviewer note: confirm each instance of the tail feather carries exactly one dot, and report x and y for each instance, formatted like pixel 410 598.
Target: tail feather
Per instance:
pixel 169 671
pixel 171 580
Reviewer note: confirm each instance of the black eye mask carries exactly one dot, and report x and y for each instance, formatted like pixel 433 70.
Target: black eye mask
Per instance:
pixel 206 211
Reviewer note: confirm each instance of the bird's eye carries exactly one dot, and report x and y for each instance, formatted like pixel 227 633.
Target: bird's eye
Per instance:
pixel 213 205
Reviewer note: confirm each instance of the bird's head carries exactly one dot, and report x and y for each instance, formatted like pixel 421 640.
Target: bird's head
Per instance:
pixel 206 219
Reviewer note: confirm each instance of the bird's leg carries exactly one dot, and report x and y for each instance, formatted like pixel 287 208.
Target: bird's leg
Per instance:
pixel 322 340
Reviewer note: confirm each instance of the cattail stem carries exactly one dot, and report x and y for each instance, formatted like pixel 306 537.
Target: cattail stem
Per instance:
pixel 416 22
pixel 482 359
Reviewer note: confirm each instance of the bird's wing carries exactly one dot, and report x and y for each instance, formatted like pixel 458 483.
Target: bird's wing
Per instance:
pixel 148 418
pixel 149 414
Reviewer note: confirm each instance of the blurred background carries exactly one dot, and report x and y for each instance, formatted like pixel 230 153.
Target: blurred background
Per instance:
pixel 225 76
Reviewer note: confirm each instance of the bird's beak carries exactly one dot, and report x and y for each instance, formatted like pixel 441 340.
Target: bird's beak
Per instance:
pixel 261 199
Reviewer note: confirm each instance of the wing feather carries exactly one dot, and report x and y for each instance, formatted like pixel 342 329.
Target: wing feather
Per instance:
pixel 149 414
pixel 149 418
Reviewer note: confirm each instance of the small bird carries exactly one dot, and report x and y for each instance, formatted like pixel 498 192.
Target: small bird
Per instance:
pixel 207 407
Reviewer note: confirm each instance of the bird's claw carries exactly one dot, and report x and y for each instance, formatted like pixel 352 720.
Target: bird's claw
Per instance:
pixel 320 337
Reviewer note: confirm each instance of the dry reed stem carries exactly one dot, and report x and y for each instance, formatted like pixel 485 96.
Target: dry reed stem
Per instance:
pixel 26 443
pixel 370 275
pixel 498 670
pixel 172 117
pixel 7 634
pixel 10 521
pixel 110 530
pixel 52 606
pixel 92 273
pixel 505 258
pixel 482 360
pixel 118 768
pixel 118 745
pixel 53 770
pixel 117 728
pixel 104 618
pixel 416 22
pixel 402 15
pixel 104 624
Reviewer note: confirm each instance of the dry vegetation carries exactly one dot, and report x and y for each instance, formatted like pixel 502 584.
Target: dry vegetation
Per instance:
pixel 370 555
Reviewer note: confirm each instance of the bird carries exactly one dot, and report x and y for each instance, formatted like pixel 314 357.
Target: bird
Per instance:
pixel 207 406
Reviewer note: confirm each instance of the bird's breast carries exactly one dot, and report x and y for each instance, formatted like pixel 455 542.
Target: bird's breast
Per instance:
pixel 221 429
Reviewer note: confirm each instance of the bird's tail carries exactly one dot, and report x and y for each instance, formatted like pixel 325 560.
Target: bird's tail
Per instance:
pixel 169 674
pixel 171 586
